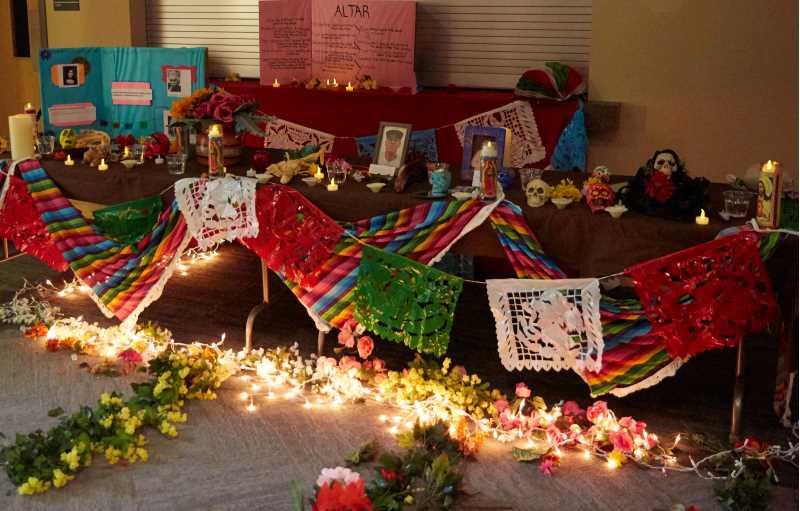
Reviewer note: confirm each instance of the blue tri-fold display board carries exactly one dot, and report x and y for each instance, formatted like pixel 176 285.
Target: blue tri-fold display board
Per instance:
pixel 116 90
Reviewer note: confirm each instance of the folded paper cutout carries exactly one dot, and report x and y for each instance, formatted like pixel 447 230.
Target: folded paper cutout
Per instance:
pixel 404 301
pixel 547 324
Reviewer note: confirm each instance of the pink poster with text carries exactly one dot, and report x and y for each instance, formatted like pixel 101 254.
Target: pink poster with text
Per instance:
pixel 327 39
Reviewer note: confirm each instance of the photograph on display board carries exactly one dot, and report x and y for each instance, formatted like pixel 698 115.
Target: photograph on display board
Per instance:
pixel 392 144
pixel 67 76
pixel 474 139
pixel 179 82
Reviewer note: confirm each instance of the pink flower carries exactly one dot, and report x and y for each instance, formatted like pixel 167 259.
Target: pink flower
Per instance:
pixel 365 346
pixel 224 114
pixel 634 426
pixel 380 378
pixel 346 337
pixel 571 408
pixel 652 441
pixel 547 466
pixel 348 362
pixel 217 99
pixel 501 405
pixel 378 365
pixel 622 440
pixel 596 411
pixel 508 421
pixel 131 356
pixel 523 391
pixel 202 111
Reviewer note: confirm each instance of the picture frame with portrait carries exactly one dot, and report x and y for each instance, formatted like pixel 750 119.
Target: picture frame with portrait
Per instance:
pixel 67 76
pixel 392 144
pixel 178 82
pixel 474 138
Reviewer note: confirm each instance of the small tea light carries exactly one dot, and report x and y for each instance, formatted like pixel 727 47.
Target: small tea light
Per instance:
pixel 334 82
pixel 29 108
pixel 349 87
pixel 327 83
pixel 702 219
pixel 159 160
pixel 103 165
pixel 332 187
pixel 69 162
pixel 276 83
pixel 126 154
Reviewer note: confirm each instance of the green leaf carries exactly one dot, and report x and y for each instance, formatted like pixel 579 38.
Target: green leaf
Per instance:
pixel 365 453
pixel 298 498
pixel 55 412
pixel 536 450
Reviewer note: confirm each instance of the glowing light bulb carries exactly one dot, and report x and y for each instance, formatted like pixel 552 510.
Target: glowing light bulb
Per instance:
pixel 244 396
pixel 383 418
pixel 270 395
pixel 255 388
pixel 409 424
pixel 586 454
pixel 612 464
pixel 393 430
pixel 307 406
pixel 251 408
pixel 396 419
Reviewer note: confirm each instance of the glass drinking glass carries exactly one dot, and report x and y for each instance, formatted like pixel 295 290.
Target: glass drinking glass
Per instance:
pixel 176 164
pixel 337 174
pixel 737 202
pixel 137 152
pixel 45 144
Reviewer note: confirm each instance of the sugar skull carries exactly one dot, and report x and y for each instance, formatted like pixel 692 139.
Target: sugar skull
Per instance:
pixel 665 162
pixel 599 196
pixel 537 192
pixel 602 174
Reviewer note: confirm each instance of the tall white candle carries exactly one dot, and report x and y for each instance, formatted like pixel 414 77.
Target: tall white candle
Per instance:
pixel 20 127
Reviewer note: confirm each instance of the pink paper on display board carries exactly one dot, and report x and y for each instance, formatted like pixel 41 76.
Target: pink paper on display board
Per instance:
pixel 284 40
pixel 344 41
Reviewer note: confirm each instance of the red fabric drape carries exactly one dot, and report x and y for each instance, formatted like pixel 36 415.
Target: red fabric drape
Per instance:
pixel 358 114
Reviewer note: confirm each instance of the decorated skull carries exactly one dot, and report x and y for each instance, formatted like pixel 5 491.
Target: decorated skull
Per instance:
pixel 602 174
pixel 665 162
pixel 599 196
pixel 537 193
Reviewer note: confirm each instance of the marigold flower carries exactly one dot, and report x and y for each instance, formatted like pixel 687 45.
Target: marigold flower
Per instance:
pixel 60 478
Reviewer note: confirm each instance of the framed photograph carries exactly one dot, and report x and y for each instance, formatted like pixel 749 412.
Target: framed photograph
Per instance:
pixel 67 75
pixel 392 144
pixel 179 82
pixel 474 138
pixel 169 131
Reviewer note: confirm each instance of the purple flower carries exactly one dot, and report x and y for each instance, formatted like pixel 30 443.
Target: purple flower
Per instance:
pixel 223 113
pixel 217 99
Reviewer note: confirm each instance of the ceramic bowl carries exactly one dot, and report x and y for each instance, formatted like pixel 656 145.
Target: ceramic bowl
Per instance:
pixel 310 181
pixel 129 164
pixel 616 211
pixel 375 187
pixel 561 202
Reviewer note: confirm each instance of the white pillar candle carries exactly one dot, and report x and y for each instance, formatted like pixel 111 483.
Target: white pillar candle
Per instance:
pixel 20 128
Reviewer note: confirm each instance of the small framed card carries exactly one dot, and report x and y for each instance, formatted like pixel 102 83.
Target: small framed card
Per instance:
pixel 68 75
pixel 392 145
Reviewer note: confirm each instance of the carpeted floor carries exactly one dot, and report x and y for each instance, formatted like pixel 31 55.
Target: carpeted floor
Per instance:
pixel 225 458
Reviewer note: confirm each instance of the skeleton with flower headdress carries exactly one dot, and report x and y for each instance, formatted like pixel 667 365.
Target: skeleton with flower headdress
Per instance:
pixel 662 187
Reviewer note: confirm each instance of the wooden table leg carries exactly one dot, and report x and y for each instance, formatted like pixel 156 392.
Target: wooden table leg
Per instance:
pixel 255 311
pixel 738 395
pixel 5 249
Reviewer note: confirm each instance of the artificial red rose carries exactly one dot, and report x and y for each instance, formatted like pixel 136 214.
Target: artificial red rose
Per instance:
pixel 389 475
pixel 634 426
pixel 202 111
pixel 339 497
pixel 125 140
pixel 622 440
pixel 660 187
pixel 216 99
pixel 223 113
pixel 522 391
pixel 548 465
pixel 365 347
pixel 596 411
pixel 751 444
pixel 348 362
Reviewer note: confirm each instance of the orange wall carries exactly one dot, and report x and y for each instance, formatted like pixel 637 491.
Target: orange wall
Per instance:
pixel 20 82
pixel 717 80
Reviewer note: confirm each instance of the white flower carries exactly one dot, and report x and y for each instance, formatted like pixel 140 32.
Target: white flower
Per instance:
pixel 344 474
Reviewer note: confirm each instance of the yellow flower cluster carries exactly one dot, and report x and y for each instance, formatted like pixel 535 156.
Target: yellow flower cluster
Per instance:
pixel 425 379
pixel 60 478
pixel 566 189
pixel 32 486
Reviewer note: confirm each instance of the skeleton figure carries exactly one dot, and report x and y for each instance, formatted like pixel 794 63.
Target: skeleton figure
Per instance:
pixel 599 196
pixel 602 174
pixel 665 163
pixel 537 193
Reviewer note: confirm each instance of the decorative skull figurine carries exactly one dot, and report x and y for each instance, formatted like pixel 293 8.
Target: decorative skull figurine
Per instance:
pixel 665 162
pixel 602 174
pixel 537 192
pixel 599 196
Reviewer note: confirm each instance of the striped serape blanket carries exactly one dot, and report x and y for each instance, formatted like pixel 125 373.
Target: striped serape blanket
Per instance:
pixel 124 279
pixel 423 233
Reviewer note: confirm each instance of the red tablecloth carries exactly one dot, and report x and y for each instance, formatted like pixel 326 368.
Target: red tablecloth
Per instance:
pixel 357 114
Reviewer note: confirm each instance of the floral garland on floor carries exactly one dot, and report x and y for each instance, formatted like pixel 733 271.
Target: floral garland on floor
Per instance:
pixel 38 461
pixel 426 393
